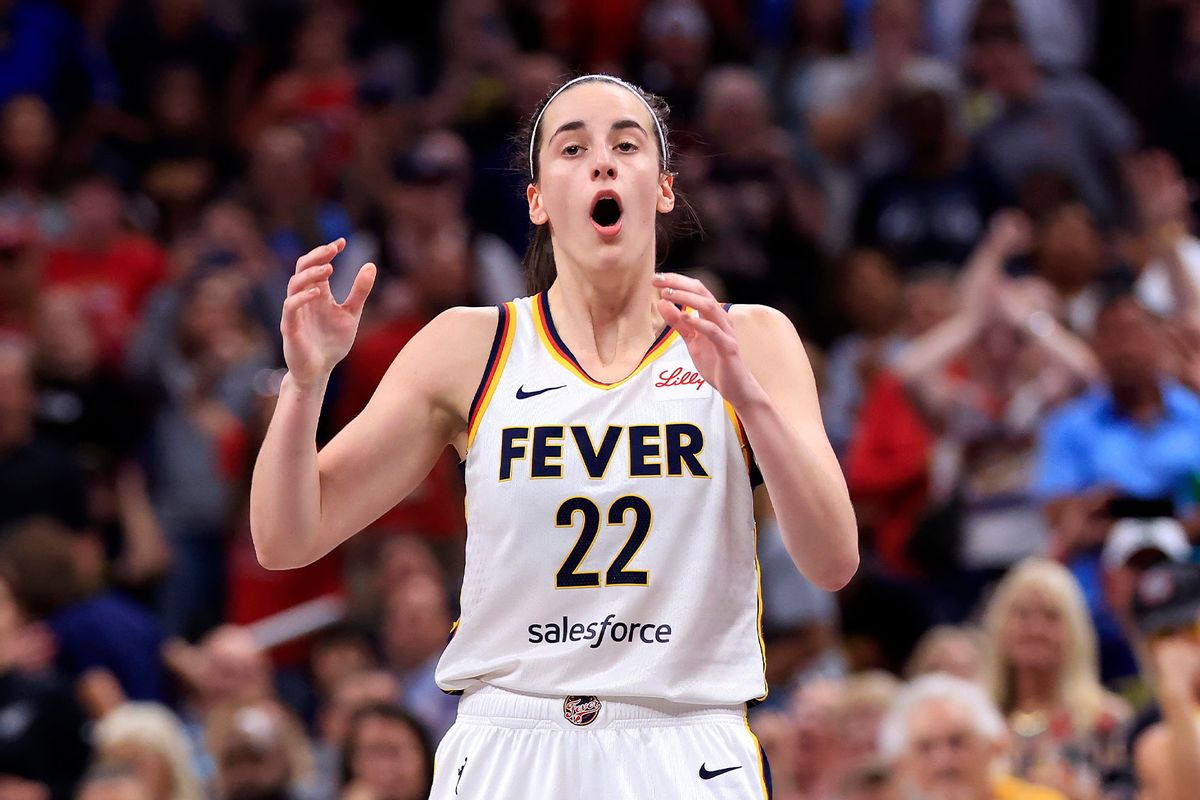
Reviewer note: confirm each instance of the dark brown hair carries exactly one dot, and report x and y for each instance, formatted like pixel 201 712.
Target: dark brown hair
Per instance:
pixel 538 262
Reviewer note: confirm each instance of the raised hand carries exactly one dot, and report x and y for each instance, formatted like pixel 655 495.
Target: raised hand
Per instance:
pixel 709 335
pixel 317 330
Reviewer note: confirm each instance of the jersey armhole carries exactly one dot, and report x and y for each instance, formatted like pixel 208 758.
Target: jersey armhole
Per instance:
pixel 501 344
pixel 756 478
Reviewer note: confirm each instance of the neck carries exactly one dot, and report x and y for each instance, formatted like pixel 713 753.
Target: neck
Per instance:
pixel 1138 401
pixel 606 313
pixel 1034 689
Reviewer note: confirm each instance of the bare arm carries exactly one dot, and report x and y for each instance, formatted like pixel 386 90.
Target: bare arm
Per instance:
pixel 304 503
pixel 801 471
pixel 754 358
pixel 1173 769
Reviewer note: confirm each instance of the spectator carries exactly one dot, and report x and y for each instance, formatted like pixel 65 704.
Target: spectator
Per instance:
pixel 37 477
pixel 282 191
pixel 198 353
pixel 341 650
pixel 112 783
pixel 260 751
pixel 947 740
pixel 353 692
pixel 316 93
pixel 1072 254
pixel 89 407
pixel 1167 608
pixel 20 274
pixel 416 619
pixel 1043 675
pixel 388 756
pixel 149 740
pixel 1068 123
pixel 29 172
pixel 982 380
pixel 45 51
pixel 45 756
pixel 1060 33
pixel 850 98
pixel 58 580
pixel 955 650
pixel 1107 441
pixel 761 220
pixel 115 269
pixel 863 703
pixel 1146 538
pixel 150 37
pixel 872 303
pixel 934 205
pixel 1168 280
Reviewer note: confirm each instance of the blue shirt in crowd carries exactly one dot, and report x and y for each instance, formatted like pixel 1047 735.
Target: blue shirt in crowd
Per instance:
pixel 1089 444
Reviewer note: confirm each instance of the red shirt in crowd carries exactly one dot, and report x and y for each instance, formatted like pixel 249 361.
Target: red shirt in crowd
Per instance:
pixel 887 468
pixel 114 282
pixel 435 508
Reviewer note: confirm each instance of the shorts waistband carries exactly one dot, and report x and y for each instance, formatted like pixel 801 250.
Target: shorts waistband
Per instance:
pixel 497 706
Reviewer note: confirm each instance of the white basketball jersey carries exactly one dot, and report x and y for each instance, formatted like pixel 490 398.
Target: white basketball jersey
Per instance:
pixel 610 529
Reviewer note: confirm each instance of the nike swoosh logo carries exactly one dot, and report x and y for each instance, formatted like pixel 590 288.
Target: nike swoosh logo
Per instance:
pixel 705 775
pixel 522 394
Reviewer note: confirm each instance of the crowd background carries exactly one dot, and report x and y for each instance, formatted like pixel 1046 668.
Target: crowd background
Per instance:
pixel 978 213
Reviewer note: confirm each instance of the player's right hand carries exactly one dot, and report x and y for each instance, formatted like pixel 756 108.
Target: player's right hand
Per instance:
pixel 317 330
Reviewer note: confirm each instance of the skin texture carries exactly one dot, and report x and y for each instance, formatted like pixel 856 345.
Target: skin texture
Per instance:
pixel 608 306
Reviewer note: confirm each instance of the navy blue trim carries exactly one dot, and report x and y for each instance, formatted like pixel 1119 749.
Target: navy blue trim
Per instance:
pixel 766 772
pixel 544 300
pixel 501 318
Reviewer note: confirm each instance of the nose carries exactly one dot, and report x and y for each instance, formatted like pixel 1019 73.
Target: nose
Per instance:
pixel 604 165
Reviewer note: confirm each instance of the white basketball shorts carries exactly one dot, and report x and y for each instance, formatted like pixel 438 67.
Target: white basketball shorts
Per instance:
pixel 508 746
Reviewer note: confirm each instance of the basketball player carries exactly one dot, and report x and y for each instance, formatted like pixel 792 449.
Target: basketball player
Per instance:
pixel 609 639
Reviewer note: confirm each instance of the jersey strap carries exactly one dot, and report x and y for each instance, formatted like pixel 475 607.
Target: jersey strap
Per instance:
pixel 506 326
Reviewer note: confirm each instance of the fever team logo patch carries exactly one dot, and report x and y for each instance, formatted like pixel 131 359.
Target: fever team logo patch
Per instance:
pixel 581 709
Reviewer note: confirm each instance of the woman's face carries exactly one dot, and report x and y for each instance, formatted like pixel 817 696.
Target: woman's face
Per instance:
pixel 150 766
pixel 389 759
pixel 956 655
pixel 599 182
pixel 1035 632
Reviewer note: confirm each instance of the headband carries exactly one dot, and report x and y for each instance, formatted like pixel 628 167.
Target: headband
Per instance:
pixel 597 76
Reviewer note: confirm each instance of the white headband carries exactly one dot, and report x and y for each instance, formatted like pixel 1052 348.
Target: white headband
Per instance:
pixel 597 76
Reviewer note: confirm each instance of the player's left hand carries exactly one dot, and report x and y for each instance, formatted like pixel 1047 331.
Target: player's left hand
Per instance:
pixel 709 336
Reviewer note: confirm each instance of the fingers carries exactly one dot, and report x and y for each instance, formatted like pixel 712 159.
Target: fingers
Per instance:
pixel 320 255
pixel 363 282
pixel 690 325
pixel 303 280
pixel 689 291
pixel 296 301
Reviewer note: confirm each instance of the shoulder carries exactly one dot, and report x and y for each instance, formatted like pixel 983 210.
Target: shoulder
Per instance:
pixel 458 336
pixel 1076 415
pixel 449 354
pixel 753 320
pixel 1182 400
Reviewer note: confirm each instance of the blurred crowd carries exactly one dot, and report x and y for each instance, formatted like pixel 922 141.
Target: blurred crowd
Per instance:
pixel 979 214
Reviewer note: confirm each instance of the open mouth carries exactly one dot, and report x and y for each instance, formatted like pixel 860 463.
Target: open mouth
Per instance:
pixel 606 212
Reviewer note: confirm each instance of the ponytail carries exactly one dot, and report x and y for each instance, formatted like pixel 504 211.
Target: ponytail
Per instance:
pixel 538 263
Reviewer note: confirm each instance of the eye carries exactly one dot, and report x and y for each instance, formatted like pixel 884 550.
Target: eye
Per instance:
pixel 627 147
pixel 572 150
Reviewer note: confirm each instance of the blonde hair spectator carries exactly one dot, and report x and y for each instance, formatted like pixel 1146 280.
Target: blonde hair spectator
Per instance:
pixel 153 743
pixel 1043 590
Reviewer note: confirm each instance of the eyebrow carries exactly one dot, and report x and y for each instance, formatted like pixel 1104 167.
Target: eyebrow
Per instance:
pixel 619 125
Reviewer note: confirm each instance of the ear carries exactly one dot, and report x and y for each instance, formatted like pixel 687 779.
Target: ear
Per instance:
pixel 666 193
pixel 537 214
